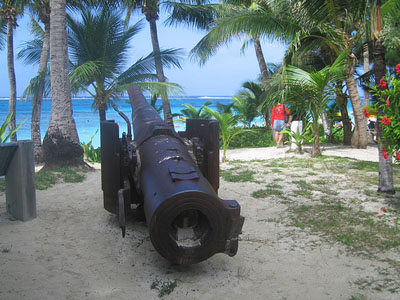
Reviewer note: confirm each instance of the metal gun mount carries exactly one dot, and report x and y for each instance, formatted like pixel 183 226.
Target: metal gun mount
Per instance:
pixel 176 191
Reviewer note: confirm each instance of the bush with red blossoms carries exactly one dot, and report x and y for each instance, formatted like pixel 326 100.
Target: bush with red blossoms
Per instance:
pixel 388 93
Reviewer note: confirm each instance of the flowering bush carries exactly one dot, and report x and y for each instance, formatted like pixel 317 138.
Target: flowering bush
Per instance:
pixel 388 93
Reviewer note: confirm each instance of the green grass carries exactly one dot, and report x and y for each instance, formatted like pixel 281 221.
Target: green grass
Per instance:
pixel 2 185
pixel 45 179
pixel 357 230
pixel 266 193
pixel 237 175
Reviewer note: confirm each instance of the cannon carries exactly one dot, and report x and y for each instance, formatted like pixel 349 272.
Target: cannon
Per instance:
pixel 171 179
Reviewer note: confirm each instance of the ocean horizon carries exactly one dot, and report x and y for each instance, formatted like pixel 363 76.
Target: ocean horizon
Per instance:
pixel 87 119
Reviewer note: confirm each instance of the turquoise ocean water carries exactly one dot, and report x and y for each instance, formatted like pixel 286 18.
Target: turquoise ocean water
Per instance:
pixel 87 120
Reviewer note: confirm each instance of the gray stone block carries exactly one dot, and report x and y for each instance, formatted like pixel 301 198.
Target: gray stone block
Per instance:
pixel 20 183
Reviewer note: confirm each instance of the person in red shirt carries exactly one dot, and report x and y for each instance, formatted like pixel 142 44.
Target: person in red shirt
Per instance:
pixel 278 121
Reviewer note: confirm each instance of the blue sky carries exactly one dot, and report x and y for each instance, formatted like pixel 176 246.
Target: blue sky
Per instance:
pixel 222 75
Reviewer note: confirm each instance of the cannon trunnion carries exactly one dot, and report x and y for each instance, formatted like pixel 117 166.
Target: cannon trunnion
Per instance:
pixel 176 190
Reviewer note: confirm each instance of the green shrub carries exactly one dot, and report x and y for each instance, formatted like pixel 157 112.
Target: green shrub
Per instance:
pixel 253 138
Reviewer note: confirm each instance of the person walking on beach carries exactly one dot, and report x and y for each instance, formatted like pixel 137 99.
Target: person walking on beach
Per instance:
pixel 278 121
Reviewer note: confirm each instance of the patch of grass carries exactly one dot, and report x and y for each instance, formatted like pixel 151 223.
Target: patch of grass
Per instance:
pixel 274 186
pixel 45 179
pixel 2 185
pixel 302 193
pixel 234 175
pixel 302 184
pixel 276 171
pixel 320 182
pixel 266 193
pixel 163 287
pixel 355 229
pixel 69 175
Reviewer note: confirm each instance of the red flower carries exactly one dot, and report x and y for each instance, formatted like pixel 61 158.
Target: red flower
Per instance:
pixel 384 153
pixel 398 69
pixel 383 83
pixel 377 127
pixel 366 114
pixel 383 208
pixel 388 102
pixel 397 155
pixel 386 120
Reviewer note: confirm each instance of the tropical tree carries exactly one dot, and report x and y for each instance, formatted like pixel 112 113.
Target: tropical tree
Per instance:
pixel 192 113
pixel 3 33
pixel 150 8
pixel 37 51
pixel 316 89
pixel 245 108
pixel 228 128
pixel 61 142
pixel 10 10
pixel 252 20
pixel 98 45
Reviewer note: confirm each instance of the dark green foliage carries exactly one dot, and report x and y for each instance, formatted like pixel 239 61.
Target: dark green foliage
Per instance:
pixel 253 138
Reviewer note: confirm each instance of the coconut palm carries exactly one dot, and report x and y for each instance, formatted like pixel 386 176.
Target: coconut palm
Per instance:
pixel 37 51
pixel 3 33
pixel 245 108
pixel 192 113
pixel 252 20
pixel 61 142
pixel 316 89
pixel 10 10
pixel 150 8
pixel 98 44
pixel 228 128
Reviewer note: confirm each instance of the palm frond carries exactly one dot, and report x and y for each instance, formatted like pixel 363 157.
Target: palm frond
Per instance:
pixel 194 16
pixel 30 51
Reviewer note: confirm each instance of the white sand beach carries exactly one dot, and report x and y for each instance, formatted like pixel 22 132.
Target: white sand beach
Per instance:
pixel 74 250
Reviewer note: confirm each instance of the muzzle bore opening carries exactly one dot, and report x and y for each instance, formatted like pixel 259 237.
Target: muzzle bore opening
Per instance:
pixel 191 228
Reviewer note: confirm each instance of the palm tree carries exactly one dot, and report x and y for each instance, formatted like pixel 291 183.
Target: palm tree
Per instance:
pixel 98 44
pixel 10 10
pixel 61 143
pixel 37 52
pixel 245 108
pixel 192 113
pixel 254 20
pixel 228 128
pixel 3 33
pixel 316 90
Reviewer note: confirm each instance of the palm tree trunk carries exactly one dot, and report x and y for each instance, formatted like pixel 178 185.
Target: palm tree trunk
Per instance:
pixel 12 102
pixel 316 150
pixel 38 96
pixel 341 100
pixel 366 69
pixel 360 138
pixel 160 72
pixel 264 72
pixel 325 123
pixel 385 184
pixel 61 143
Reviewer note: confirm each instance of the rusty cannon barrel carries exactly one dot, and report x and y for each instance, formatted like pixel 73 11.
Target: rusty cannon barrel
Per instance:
pixel 186 219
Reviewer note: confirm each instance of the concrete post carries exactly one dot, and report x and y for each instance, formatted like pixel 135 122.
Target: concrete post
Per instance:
pixel 20 183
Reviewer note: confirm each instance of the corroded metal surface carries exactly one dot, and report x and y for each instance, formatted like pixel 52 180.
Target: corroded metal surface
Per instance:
pixel 177 191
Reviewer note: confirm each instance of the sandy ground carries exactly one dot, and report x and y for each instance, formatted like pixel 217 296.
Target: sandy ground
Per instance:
pixel 74 250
